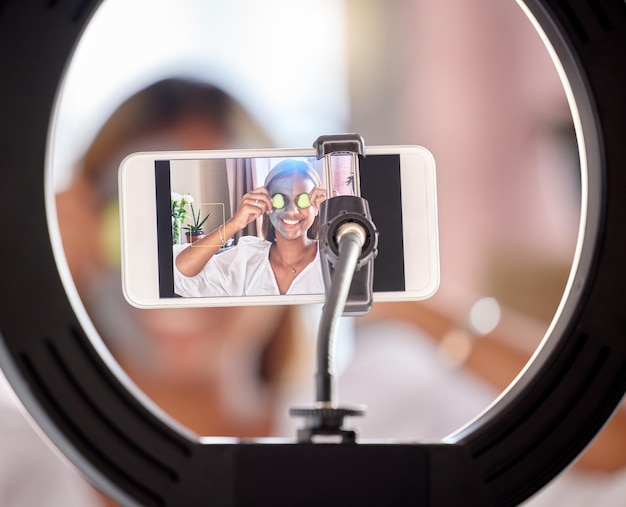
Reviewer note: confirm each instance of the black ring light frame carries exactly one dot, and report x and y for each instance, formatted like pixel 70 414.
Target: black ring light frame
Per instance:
pixel 71 387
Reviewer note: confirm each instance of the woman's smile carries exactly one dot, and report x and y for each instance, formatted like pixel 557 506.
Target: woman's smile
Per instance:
pixel 289 221
pixel 289 227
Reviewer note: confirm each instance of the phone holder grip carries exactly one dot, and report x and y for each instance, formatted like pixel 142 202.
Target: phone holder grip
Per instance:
pixel 335 214
pixel 339 143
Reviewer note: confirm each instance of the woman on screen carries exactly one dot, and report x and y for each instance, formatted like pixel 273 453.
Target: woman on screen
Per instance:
pixel 285 260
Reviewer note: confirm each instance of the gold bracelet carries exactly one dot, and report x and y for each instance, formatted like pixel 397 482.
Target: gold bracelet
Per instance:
pixel 219 233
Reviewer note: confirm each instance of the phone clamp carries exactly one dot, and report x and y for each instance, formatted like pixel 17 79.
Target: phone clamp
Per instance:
pixel 338 216
pixel 329 146
pixel 339 143
pixel 348 245
pixel 338 210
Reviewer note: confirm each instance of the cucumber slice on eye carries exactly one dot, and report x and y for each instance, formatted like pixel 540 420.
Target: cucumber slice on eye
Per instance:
pixel 303 201
pixel 278 201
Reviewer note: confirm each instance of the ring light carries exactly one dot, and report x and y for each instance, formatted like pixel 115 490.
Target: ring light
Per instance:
pixel 85 406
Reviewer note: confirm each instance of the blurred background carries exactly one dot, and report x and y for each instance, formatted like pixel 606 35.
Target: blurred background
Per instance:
pixel 470 81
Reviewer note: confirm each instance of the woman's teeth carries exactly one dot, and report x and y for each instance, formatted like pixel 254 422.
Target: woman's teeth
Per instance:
pixel 290 222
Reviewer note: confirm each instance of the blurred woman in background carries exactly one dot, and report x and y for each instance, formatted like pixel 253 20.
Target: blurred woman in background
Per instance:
pixel 216 371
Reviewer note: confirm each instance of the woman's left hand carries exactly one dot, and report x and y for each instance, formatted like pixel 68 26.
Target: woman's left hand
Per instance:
pixel 317 196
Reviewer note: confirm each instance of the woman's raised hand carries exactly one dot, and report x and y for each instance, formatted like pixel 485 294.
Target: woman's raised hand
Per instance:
pixel 252 206
pixel 317 196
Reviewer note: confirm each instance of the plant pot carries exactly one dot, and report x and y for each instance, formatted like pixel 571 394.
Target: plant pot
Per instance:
pixel 192 237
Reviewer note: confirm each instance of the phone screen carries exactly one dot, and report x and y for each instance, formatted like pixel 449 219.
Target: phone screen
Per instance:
pixel 215 187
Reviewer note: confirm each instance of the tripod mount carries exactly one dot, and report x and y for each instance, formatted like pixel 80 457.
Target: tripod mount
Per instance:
pixel 348 246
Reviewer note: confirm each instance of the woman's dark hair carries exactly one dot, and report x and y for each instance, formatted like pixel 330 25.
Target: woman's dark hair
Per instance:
pixel 289 168
pixel 136 125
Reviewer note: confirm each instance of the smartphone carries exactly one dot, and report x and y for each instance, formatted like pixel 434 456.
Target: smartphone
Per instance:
pixel 164 195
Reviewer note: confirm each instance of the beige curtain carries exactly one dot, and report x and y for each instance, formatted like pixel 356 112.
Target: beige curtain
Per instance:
pixel 240 181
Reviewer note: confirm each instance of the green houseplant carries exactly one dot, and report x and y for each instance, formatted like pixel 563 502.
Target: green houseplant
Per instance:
pixel 194 229
pixel 179 213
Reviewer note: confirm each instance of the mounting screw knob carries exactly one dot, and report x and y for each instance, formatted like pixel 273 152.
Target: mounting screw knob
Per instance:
pixel 327 420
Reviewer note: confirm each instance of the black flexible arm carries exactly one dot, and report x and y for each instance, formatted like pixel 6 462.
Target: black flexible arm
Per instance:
pixel 348 246
pixel 348 241
pixel 350 238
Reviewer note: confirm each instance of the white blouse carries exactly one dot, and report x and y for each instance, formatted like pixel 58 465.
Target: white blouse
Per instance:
pixel 244 270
